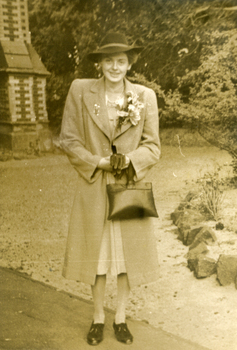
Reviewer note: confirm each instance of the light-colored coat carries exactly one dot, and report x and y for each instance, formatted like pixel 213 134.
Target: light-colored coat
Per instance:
pixel 85 138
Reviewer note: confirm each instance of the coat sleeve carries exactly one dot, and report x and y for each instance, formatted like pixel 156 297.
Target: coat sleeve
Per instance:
pixel 72 137
pixel 148 152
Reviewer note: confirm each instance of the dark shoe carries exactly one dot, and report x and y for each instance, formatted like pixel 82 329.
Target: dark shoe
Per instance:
pixel 95 335
pixel 122 333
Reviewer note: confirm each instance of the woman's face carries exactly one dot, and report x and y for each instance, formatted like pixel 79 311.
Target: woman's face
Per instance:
pixel 115 66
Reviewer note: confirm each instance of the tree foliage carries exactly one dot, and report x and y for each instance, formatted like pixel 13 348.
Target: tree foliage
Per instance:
pixel 211 101
pixel 64 31
pixel 189 55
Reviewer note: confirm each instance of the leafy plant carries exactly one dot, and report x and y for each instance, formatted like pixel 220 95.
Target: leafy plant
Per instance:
pixel 211 196
pixel 210 103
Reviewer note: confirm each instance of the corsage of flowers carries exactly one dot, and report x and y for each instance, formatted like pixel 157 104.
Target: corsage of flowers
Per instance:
pixel 129 109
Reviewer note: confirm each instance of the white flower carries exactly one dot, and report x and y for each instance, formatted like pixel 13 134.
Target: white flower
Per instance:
pixel 135 119
pixel 130 112
pixel 122 113
pixel 131 108
pixel 120 102
pixel 140 105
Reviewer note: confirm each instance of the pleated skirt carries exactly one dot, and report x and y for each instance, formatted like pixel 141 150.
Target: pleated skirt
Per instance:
pixel 111 258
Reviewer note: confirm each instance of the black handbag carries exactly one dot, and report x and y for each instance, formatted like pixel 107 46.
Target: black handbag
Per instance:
pixel 131 200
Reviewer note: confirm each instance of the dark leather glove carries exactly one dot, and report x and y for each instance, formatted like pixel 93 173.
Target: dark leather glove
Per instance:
pixel 118 162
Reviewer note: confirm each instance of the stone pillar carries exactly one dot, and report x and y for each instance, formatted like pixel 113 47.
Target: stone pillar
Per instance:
pixel 23 114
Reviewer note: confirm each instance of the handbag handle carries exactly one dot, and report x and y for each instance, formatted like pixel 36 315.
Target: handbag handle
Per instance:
pixel 130 175
pixel 130 172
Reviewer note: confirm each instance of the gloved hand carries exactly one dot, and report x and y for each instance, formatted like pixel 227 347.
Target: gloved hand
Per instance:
pixel 118 162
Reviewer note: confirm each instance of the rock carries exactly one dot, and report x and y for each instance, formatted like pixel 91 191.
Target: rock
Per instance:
pixel 191 195
pixel 175 215
pixel 204 267
pixel 186 234
pixel 186 203
pixel 17 157
pixel 227 269
pixel 193 255
pixel 201 248
pixel 183 231
pixel 219 226
pixel 192 234
pixel 185 215
pixel 192 262
pixel 189 217
pixel 206 235
pixel 182 205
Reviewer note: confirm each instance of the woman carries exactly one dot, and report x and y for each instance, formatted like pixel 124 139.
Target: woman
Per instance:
pixel 101 139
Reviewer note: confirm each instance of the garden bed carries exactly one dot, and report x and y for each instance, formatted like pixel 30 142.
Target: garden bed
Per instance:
pixel 212 245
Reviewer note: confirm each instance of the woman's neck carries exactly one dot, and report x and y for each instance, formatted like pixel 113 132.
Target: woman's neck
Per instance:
pixel 114 87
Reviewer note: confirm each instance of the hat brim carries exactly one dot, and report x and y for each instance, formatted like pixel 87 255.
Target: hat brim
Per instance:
pixel 95 56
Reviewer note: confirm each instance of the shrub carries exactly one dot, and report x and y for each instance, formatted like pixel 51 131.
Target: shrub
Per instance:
pixel 210 104
pixel 212 196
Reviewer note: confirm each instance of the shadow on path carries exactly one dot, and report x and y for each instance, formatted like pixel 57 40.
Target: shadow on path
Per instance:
pixel 37 316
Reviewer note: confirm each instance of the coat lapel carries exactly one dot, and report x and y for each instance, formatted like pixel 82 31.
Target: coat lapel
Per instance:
pixel 129 87
pixel 95 103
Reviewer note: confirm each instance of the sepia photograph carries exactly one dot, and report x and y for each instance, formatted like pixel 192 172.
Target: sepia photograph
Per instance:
pixel 118 174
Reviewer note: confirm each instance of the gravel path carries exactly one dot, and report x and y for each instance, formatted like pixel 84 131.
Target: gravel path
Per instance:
pixel 35 199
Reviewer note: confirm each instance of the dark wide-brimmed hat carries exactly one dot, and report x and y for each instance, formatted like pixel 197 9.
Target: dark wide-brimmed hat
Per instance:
pixel 113 43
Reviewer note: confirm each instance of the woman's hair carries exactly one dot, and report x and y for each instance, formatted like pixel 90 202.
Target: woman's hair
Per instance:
pixel 132 57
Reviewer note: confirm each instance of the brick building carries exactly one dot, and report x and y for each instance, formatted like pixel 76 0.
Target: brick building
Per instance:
pixel 23 115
